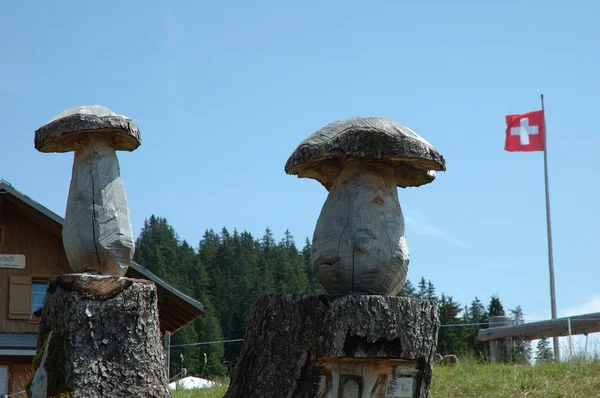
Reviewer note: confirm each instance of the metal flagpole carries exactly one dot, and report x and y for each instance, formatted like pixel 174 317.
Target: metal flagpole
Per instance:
pixel 549 226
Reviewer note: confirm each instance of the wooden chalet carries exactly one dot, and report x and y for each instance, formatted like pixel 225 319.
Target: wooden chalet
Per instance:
pixel 31 253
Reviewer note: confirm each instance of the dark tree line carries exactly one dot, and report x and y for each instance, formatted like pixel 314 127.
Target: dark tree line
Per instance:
pixel 228 271
pixel 462 339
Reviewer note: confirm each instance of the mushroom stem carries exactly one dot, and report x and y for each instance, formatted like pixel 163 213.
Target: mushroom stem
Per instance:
pixel 97 231
pixel 359 243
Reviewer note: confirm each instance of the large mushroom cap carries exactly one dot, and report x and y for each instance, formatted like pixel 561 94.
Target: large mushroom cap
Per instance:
pixel 62 133
pixel 321 155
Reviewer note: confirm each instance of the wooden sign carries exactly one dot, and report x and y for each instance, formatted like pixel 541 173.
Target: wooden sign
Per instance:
pixel 12 261
pixel 401 387
pixel 367 377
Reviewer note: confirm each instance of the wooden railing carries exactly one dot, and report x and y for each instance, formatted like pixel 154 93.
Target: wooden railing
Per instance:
pixel 499 336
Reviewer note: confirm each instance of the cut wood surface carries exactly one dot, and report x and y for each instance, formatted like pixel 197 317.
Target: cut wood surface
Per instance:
pixel 382 140
pixel 580 324
pixel 64 132
pixel 359 244
pixel 105 338
pixel 304 346
pixel 97 232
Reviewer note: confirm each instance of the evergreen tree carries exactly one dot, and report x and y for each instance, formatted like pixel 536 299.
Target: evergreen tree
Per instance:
pixel 159 249
pixel 466 314
pixel 477 311
pixel 430 293
pixel 207 256
pixel 544 352
pixel 422 289
pixel 230 271
pixel 495 307
pixel 314 285
pixel 247 254
pixel 451 339
pixel 408 290
pixel 522 351
pixel 477 315
pixel 191 363
pixel 156 249
pixel 208 330
pixel 207 327
pixel 267 262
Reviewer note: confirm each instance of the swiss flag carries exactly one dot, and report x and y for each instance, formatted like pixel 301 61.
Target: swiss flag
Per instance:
pixel 525 132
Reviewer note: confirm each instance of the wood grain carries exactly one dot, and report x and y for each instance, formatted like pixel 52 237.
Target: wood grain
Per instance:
pixel 379 139
pixel 359 243
pixel 97 231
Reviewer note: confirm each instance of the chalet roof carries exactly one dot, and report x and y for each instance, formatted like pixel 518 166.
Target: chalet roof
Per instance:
pixel 5 186
pixel 175 308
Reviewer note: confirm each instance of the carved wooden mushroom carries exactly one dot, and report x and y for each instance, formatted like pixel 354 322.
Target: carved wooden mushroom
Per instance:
pixel 97 231
pixel 359 243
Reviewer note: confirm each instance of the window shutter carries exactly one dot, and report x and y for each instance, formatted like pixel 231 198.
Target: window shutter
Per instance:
pixel 19 301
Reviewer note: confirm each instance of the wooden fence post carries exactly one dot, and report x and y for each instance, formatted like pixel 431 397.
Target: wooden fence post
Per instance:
pixel 570 341
pixel 501 349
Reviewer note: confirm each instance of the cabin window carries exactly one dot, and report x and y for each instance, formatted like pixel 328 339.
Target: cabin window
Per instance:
pixel 39 289
pixel 3 380
pixel 19 299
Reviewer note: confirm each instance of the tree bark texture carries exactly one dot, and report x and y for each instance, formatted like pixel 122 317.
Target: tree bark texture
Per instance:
pixel 105 338
pixel 303 346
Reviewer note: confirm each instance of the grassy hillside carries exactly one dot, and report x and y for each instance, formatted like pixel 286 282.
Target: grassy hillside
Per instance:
pixel 469 379
pixel 548 380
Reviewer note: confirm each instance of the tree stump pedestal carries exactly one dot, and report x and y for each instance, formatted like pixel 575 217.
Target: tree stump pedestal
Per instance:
pixel 303 346
pixel 102 338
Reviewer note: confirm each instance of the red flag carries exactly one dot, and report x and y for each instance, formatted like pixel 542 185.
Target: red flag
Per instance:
pixel 525 132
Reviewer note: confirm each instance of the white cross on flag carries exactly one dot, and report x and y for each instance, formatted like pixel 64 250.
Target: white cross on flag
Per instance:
pixel 525 132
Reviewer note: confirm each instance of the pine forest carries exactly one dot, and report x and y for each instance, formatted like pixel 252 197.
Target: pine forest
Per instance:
pixel 227 272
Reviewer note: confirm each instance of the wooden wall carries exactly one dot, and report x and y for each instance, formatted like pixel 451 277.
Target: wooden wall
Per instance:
pixel 19 372
pixel 38 238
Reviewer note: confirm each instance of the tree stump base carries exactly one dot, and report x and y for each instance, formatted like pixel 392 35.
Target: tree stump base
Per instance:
pixel 105 339
pixel 302 346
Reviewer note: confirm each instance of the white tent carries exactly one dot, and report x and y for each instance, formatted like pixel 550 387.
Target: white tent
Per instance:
pixel 190 382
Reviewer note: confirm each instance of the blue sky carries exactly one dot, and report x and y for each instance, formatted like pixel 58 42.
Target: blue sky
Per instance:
pixel 224 91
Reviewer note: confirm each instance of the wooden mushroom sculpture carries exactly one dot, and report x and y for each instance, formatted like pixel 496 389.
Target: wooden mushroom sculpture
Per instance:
pixel 359 244
pixel 97 231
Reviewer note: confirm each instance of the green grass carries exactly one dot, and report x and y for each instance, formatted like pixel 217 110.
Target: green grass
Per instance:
pixel 578 378
pixel 216 392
